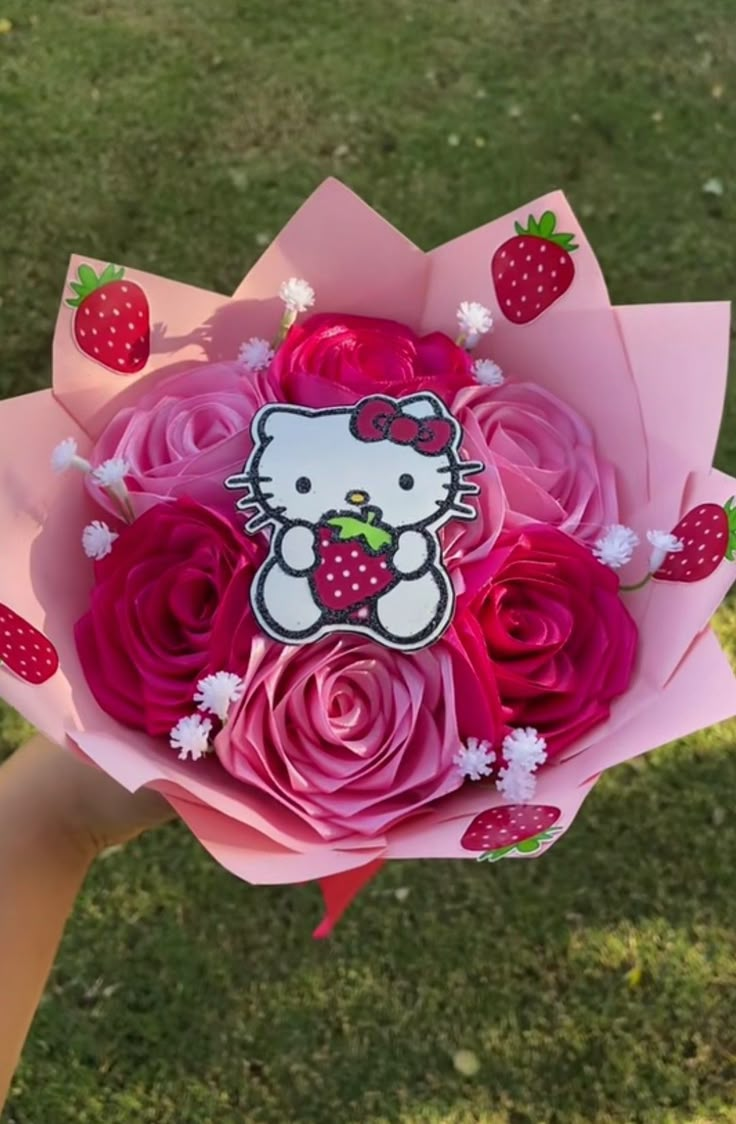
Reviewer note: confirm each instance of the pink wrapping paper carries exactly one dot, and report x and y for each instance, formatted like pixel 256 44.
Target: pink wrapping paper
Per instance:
pixel 650 380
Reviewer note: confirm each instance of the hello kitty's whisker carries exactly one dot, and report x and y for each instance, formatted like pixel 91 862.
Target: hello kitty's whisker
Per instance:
pixel 247 501
pixel 463 510
pixel 246 480
pixel 238 480
pixel 257 523
pixel 468 490
pixel 470 468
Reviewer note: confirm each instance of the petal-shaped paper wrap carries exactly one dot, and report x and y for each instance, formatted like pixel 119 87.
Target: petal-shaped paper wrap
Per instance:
pixel 648 380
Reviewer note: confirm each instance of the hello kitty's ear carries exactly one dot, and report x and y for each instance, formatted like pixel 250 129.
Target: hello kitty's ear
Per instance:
pixel 277 423
pixel 424 405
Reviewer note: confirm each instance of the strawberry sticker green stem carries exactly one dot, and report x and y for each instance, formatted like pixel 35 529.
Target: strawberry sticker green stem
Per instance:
pixel 88 282
pixel 351 527
pixel 545 228
pixel 526 847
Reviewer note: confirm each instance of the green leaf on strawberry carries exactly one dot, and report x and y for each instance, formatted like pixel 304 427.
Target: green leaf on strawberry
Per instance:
pixel 545 228
pixel 730 509
pixel 351 527
pixel 524 847
pixel 88 282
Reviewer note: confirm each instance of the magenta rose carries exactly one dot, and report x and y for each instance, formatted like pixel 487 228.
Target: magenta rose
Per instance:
pixel 333 359
pixel 352 736
pixel 185 435
pixel 544 454
pixel 561 641
pixel 148 634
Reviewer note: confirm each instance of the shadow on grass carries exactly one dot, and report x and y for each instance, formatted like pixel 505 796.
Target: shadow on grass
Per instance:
pixel 592 985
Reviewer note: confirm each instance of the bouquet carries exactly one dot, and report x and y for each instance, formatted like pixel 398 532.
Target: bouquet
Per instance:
pixel 387 556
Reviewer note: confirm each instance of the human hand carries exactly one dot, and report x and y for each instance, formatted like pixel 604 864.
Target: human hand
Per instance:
pixel 56 814
pixel 80 802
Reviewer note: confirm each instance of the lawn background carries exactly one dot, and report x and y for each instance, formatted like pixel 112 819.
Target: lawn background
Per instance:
pixel 177 136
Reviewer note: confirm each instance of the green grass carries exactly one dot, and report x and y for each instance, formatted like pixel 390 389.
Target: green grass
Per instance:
pixel 594 986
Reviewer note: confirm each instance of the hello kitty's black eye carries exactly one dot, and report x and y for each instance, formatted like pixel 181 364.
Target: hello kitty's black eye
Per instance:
pixel 406 481
pixel 303 485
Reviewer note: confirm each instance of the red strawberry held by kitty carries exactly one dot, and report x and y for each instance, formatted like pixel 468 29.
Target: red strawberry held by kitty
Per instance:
pixel 112 321
pixel 708 535
pixel 354 562
pixel 25 650
pixel 511 829
pixel 533 269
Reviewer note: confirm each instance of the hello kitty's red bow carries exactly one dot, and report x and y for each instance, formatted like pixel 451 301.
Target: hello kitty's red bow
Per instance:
pixel 380 419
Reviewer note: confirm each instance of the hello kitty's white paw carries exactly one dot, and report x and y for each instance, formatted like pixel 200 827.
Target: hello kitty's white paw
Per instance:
pixel 412 553
pixel 296 548
pixel 416 611
pixel 284 605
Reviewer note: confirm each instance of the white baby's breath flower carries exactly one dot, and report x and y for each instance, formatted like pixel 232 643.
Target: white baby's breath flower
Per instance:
pixel 217 693
pixel 474 320
pixel 615 546
pixel 65 455
pixel 475 759
pixel 488 373
pixel 524 748
pixel 97 539
pixel 662 544
pixel 297 294
pixel 255 354
pixel 191 736
pixel 517 785
pixel 111 472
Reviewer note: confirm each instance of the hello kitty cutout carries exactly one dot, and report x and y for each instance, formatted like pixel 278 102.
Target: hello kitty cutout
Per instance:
pixel 356 496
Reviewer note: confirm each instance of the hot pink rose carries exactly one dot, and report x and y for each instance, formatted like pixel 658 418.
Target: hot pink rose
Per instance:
pixel 148 634
pixel 561 641
pixel 333 359
pixel 354 737
pixel 186 434
pixel 545 456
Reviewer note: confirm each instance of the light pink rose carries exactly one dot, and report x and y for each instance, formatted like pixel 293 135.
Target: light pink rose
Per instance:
pixel 545 456
pixel 186 434
pixel 352 736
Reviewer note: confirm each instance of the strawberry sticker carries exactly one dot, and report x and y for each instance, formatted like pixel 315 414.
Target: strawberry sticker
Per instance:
pixel 24 650
pixel 112 323
pixel 513 829
pixel 706 535
pixel 353 566
pixel 533 269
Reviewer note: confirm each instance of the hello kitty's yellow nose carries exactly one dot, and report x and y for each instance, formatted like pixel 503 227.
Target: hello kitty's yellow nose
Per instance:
pixel 357 498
